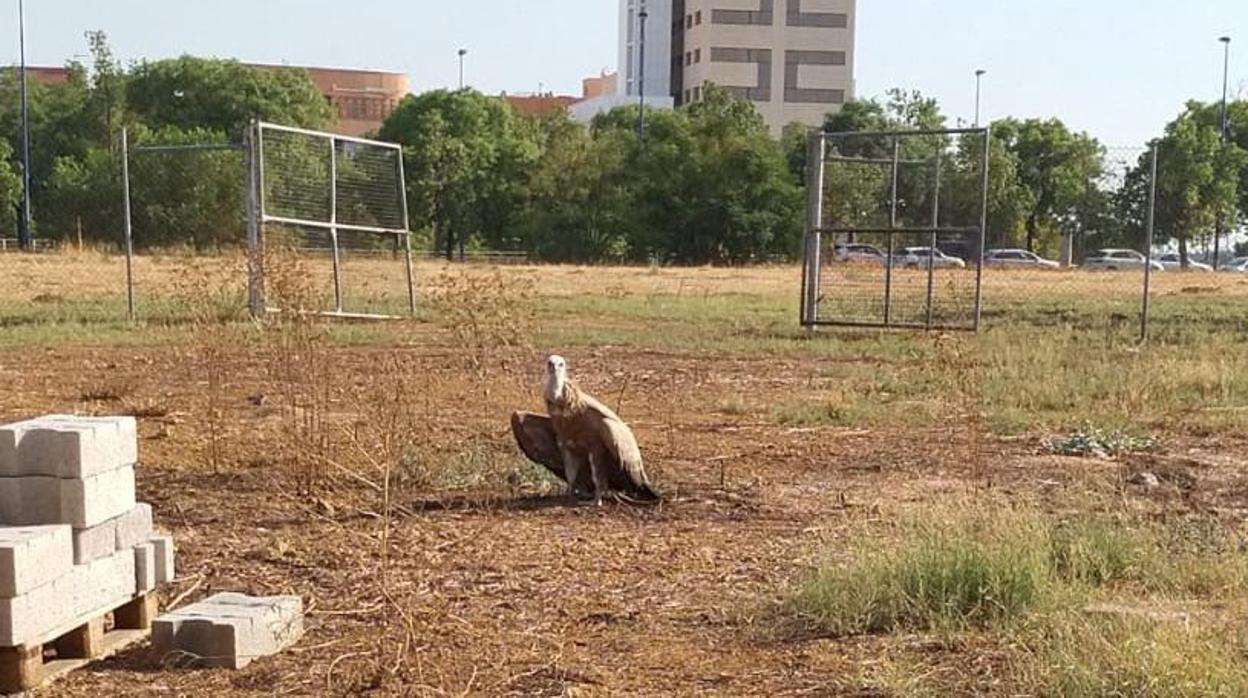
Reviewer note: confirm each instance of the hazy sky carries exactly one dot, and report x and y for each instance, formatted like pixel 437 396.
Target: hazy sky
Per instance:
pixel 1117 68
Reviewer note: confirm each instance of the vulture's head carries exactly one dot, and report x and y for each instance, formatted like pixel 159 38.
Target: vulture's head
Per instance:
pixel 556 376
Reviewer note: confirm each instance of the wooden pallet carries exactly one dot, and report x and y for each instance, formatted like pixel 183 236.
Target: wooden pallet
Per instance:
pixel 42 661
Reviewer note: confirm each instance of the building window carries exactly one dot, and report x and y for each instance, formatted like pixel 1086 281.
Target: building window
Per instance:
pixel 698 18
pixel 697 94
pixel 697 55
pixel 688 59
pixel 687 94
pixel 688 21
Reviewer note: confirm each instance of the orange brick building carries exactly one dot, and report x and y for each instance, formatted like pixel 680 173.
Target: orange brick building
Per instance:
pixel 361 99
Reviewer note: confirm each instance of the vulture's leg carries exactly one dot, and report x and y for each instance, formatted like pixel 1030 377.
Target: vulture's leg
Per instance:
pixel 572 465
pixel 598 469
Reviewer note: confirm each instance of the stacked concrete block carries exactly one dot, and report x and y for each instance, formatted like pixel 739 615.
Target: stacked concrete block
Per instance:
pixel 74 543
pixel 228 630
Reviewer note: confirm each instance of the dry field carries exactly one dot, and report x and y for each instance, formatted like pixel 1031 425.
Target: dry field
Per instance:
pixel 369 469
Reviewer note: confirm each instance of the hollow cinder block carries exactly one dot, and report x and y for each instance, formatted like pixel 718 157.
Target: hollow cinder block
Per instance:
pixel 163 549
pixel 135 526
pixel 68 447
pixel 68 601
pixel 81 503
pixel 93 543
pixel 144 567
pixel 228 630
pixel 33 556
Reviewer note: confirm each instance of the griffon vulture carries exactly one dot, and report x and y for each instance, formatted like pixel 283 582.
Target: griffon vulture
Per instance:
pixel 580 432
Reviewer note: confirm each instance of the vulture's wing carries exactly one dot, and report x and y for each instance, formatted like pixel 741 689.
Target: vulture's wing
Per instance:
pixel 535 434
pixel 630 475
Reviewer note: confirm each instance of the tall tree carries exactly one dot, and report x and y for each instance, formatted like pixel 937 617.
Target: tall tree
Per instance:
pixel 468 158
pixel 1058 167
pixel 222 96
pixel 1197 181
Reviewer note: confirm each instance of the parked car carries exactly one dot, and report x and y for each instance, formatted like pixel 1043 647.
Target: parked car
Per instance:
pixel 1017 259
pixel 1239 265
pixel 921 257
pixel 857 252
pixel 1119 260
pixel 1173 262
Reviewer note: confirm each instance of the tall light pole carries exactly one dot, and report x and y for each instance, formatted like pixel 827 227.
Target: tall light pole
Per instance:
pixel 24 236
pixel 641 75
pixel 1224 131
pixel 462 52
pixel 979 78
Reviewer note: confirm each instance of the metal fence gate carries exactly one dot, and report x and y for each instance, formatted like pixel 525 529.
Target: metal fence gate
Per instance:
pixel 895 229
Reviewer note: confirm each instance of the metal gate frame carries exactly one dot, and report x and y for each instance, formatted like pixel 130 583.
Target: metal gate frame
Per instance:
pixel 259 216
pixel 816 160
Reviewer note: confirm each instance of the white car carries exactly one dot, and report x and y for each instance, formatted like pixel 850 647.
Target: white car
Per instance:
pixel 858 252
pixel 1017 259
pixel 922 257
pixel 1239 265
pixel 1119 260
pixel 1173 262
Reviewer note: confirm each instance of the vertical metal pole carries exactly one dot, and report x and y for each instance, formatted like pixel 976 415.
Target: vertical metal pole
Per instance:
pixel 983 229
pixel 25 234
pixel 261 231
pixel 255 302
pixel 333 223
pixel 892 224
pixel 641 74
pixel 407 235
pixel 811 270
pixel 128 229
pixel 931 259
pixel 1223 129
pixel 1150 230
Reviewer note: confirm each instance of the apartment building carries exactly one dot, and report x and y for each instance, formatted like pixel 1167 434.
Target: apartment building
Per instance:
pixel 793 58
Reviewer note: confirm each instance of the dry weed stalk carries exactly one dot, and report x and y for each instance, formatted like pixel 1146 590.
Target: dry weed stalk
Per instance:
pixel 299 365
pixel 968 399
pixel 486 314
pixel 209 298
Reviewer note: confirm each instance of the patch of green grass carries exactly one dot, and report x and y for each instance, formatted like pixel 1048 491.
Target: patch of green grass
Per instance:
pixel 1074 655
pixel 971 573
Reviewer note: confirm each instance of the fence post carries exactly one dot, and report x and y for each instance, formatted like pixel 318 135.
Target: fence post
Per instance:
pixel 815 151
pixel 983 228
pixel 333 222
pixel 407 237
pixel 255 266
pixel 892 225
pixel 931 258
pixel 1149 235
pixel 128 229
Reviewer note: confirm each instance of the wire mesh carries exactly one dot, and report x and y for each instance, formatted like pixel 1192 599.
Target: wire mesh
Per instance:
pixel 900 229
pixel 1080 262
pixel 338 204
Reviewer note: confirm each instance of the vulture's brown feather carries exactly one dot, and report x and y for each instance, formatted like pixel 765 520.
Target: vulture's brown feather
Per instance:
pixel 585 429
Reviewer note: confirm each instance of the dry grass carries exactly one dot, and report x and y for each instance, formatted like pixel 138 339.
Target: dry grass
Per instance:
pixel 370 469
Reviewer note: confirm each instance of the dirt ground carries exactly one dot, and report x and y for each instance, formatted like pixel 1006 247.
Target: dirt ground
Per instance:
pixel 503 589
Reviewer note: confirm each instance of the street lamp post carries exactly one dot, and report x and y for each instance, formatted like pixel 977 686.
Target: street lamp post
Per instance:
pixel 979 76
pixel 24 233
pixel 641 77
pixel 462 52
pixel 1224 133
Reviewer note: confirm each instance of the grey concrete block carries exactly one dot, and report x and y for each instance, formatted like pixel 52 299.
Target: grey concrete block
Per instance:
pixel 135 526
pixel 163 547
pixel 93 543
pixel 81 503
pixel 67 447
pixel 228 630
pixel 31 557
pixel 57 607
pixel 96 499
pixel 144 567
